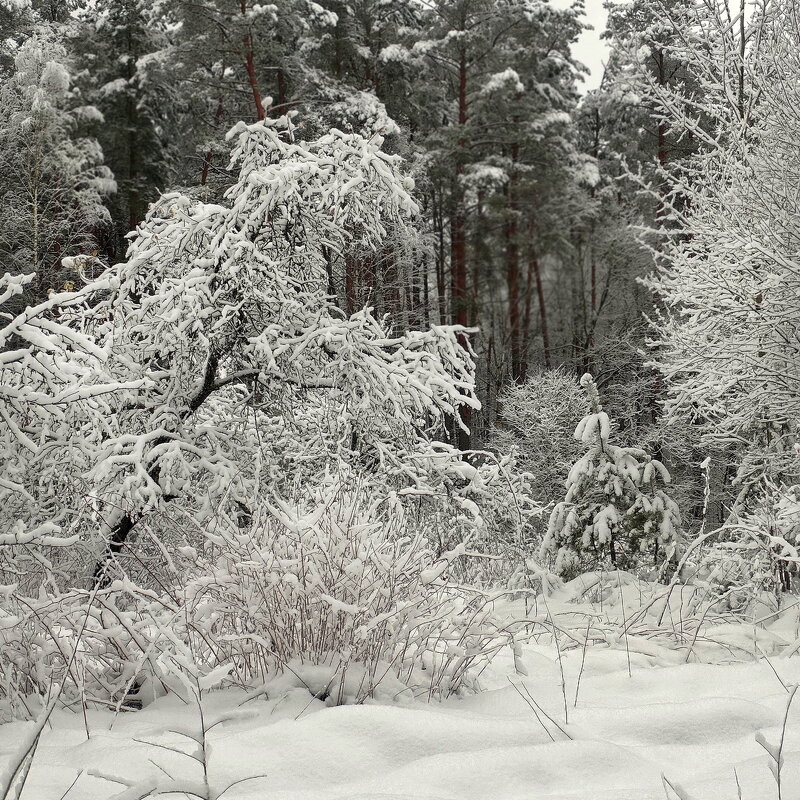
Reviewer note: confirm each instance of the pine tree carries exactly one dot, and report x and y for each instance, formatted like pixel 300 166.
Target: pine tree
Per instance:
pixel 498 154
pixel 125 77
pixel 614 512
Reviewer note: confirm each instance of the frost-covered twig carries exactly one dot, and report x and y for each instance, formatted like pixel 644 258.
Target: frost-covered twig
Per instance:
pixel 776 751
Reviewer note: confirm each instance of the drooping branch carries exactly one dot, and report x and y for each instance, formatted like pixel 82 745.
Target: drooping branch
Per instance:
pixel 124 525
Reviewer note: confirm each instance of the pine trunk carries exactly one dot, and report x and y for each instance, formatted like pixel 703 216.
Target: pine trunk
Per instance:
pixel 512 273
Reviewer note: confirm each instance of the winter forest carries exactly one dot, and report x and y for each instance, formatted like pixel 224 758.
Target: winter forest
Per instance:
pixel 385 413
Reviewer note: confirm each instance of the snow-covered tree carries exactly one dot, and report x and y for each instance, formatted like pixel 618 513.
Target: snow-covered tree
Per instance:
pixel 222 317
pixel 726 337
pixel 207 411
pixel 52 178
pixel 615 511
pixel 52 398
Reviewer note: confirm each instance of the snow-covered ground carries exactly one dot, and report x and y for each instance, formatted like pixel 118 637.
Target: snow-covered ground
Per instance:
pixel 694 723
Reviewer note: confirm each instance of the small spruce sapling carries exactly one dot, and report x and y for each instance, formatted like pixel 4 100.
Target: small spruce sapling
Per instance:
pixel 614 510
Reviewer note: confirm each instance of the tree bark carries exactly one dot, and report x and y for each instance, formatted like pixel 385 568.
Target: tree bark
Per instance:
pixel 126 522
pixel 537 274
pixel 441 283
pixel 250 67
pixel 209 155
pixel 589 366
pixel 512 272
pixel 281 88
pixel 458 246
pixel 526 319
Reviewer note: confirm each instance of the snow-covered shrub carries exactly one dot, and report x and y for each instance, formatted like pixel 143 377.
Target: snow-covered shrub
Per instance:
pixel 335 591
pixel 737 572
pixel 753 557
pixel 96 644
pixel 614 511
pixel 341 581
pixel 537 419
pixel 487 500
pixel 777 518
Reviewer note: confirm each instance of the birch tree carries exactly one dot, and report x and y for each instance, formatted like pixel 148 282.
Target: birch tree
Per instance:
pixel 52 177
pixel 221 312
pixel 726 335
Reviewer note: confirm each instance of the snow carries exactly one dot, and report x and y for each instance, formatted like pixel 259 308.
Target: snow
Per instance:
pixel 501 80
pixel 641 712
pixel 394 52
pixel 55 77
pixel 113 87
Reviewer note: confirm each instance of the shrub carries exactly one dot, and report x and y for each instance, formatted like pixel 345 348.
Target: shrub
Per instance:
pixel 336 590
pixel 339 581
pixel 755 558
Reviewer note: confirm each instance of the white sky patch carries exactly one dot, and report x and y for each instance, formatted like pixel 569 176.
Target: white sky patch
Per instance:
pixel 590 49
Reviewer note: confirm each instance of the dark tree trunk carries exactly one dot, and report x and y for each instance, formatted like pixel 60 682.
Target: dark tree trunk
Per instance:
pixel 124 525
pixel 282 99
pixel 250 67
pixel 458 244
pixel 535 268
pixel 209 155
pixel 512 274
pixel 441 282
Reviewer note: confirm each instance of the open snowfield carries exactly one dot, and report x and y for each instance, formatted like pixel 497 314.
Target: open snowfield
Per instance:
pixel 696 723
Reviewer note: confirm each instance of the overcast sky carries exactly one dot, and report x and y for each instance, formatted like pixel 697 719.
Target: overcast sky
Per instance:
pixel 590 50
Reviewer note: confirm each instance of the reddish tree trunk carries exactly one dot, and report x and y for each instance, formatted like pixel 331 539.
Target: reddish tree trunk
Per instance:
pixel 593 195
pixel 458 267
pixel 250 66
pixel 458 225
pixel 526 322
pixel 458 239
pixel 252 79
pixel 441 284
pixel 588 355
pixel 426 299
pixel 281 88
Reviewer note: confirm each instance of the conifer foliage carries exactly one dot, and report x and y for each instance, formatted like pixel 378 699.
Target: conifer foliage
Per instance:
pixel 615 511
